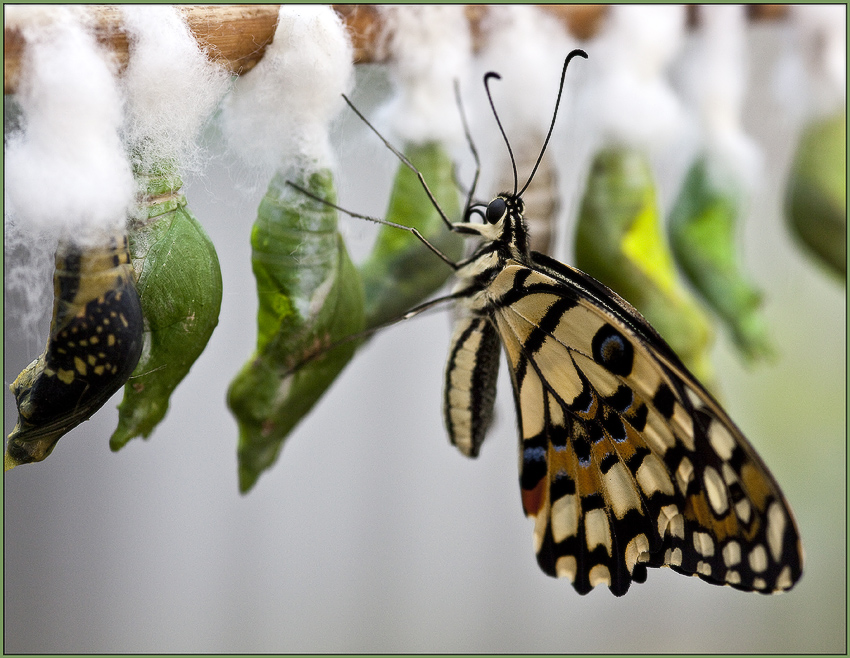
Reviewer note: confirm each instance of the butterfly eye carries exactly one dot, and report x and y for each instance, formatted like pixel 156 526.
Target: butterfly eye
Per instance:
pixel 495 210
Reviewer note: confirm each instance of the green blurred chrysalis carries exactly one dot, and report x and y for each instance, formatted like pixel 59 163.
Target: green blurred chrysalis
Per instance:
pixel 702 231
pixel 310 298
pixel 817 191
pixel 620 242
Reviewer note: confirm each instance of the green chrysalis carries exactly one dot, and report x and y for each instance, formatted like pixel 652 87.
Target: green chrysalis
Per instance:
pixel 310 298
pixel 179 282
pixel 94 343
pixel 619 241
pixel 702 235
pixel 817 191
pixel 398 274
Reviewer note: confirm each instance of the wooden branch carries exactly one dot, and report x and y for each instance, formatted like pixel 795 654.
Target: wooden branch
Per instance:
pixel 234 35
pixel 237 35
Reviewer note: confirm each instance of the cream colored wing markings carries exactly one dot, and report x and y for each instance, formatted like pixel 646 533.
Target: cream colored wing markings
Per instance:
pixel 741 500
pixel 622 450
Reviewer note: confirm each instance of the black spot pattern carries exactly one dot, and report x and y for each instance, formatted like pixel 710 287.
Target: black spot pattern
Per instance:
pixel 612 351
pixel 663 400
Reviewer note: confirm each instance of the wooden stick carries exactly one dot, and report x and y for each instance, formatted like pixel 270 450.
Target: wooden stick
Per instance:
pixel 237 35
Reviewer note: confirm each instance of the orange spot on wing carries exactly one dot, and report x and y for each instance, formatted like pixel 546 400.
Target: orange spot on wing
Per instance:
pixel 532 499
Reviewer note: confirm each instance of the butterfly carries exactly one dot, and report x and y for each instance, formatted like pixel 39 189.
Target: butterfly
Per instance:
pixel 626 461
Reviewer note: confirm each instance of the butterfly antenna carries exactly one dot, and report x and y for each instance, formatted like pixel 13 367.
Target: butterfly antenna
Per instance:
pixel 487 76
pixel 574 53
pixel 377 220
pixel 468 135
pixel 407 163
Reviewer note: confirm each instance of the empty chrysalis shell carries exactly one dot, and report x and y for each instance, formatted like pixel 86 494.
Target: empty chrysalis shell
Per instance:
pixel 310 298
pixel 399 273
pixel 94 344
pixel 702 232
pixel 817 191
pixel 619 241
pixel 179 283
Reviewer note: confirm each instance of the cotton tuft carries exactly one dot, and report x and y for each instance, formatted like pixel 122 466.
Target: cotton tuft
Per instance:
pixel 171 88
pixel 430 47
pixel 627 99
pixel 281 110
pixel 527 48
pixel 713 77
pixel 811 75
pixel 67 167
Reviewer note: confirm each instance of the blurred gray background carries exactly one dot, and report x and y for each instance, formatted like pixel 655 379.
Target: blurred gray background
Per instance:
pixel 371 533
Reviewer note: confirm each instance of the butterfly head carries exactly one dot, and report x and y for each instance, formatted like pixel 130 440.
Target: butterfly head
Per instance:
pixel 503 223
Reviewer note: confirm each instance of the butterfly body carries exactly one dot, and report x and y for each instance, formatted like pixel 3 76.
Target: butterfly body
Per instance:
pixel 626 461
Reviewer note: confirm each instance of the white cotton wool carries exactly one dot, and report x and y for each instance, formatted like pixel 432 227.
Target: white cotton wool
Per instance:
pixel 279 112
pixel 66 168
pixel 429 48
pixel 811 75
pixel 527 47
pixel 626 98
pixel 171 88
pixel 712 76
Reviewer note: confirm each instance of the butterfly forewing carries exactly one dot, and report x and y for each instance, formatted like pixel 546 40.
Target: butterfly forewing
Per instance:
pixel 626 461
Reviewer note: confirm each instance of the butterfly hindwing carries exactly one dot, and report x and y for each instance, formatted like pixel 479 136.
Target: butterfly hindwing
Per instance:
pixel 626 461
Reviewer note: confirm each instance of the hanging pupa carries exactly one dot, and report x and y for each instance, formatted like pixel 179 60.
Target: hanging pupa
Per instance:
pixel 179 282
pixel 171 88
pixel 309 292
pixel 95 342
pixel 704 221
pixel 310 297
pixel 67 174
pixel 817 191
pixel 703 237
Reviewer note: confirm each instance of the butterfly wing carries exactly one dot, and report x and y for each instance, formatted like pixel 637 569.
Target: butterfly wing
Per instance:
pixel 626 461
